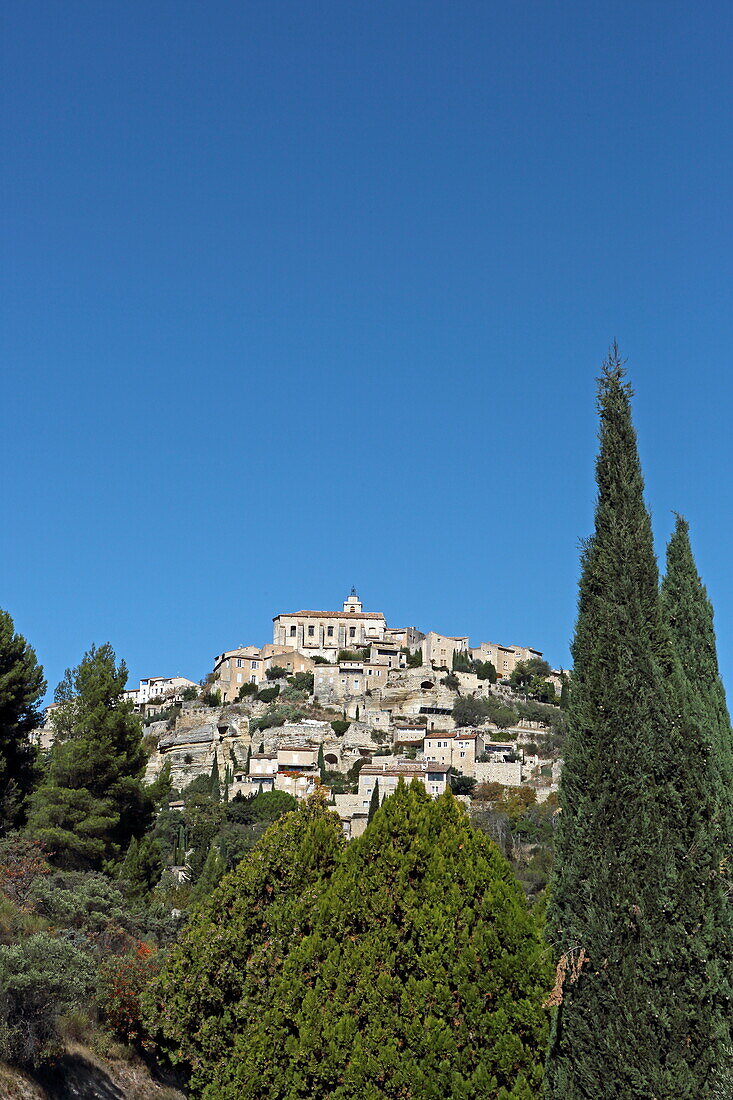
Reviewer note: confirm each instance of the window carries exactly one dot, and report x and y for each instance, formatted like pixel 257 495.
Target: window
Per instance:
pixel 311 631
pixel 329 632
pixel 255 664
pixel 292 631
pixel 352 631
pixel 239 677
pixel 253 679
pixel 240 662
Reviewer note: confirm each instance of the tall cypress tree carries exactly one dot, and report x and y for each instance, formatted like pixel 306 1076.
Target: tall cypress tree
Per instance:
pixel 689 617
pixel 21 688
pixel 635 989
pixel 373 801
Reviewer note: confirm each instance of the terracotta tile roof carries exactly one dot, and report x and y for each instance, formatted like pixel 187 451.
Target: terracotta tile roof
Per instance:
pixel 329 615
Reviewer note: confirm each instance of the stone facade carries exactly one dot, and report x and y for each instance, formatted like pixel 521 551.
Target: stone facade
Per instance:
pixel 439 649
pixel 324 633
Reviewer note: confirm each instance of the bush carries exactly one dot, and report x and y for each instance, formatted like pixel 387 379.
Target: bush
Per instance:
pixel 247 689
pixel 267 695
pixel 40 978
pixel 340 726
pixel 302 681
pixel 121 984
pixel 211 698
pixel 190 694
pixel 275 672
pixel 451 681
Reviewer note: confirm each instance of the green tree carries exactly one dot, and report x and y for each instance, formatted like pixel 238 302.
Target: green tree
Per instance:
pixel 215 784
pixel 373 801
pixel 141 868
pixel 637 995
pixel 92 800
pixel 210 876
pixel 423 974
pixel 321 764
pixel 415 660
pixel 469 710
pixel 688 614
pixel 22 687
pixel 565 694
pixel 222 968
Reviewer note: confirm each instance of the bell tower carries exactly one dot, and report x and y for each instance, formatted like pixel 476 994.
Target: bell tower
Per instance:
pixel 353 603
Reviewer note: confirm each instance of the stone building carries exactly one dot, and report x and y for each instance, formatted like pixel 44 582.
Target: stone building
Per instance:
pixel 324 633
pixel 438 649
pixel 249 665
pixel 336 683
pixel 504 658
pixel 456 748
pixel 166 688
pixel 387 773
pixel 405 637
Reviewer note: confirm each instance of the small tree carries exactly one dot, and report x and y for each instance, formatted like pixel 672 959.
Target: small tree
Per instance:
pixel 373 801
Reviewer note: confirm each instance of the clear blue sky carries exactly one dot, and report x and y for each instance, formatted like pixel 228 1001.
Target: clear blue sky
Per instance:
pixel 297 296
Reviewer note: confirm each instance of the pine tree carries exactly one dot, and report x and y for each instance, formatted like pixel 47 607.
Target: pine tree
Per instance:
pixel 423 975
pixel 92 800
pixel 223 965
pixel 21 688
pixel 633 972
pixel 373 801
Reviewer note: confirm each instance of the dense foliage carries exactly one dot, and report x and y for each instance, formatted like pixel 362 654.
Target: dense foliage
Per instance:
pixel 415 969
pixel 220 972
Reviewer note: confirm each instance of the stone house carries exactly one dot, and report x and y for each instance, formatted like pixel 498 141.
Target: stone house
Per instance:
pixel 334 683
pixel 167 689
pixel 249 665
pixel 504 658
pixel 405 637
pixel 457 748
pixel 387 773
pixel 438 649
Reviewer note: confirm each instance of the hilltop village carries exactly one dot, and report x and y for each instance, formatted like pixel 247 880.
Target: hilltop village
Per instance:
pixel 341 700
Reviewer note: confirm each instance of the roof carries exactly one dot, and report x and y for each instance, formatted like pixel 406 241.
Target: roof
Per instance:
pixel 404 769
pixel 329 615
pixel 439 733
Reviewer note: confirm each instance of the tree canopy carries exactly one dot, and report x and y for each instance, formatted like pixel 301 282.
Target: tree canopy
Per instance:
pixel 419 972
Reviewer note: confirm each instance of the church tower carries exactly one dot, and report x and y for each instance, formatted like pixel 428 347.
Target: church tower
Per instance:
pixel 353 603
